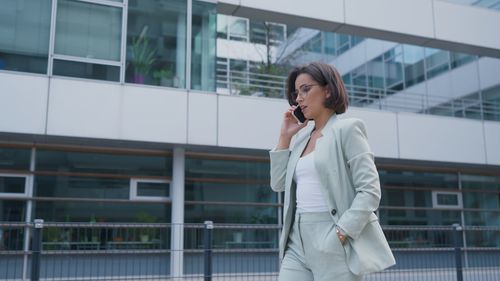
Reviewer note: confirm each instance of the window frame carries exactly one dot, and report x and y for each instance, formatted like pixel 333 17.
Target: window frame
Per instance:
pixel 16 195
pixel 435 203
pixel 134 182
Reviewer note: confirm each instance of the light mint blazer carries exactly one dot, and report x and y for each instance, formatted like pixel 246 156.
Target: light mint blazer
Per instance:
pixel 351 188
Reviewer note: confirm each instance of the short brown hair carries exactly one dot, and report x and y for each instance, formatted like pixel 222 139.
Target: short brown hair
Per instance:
pixel 325 75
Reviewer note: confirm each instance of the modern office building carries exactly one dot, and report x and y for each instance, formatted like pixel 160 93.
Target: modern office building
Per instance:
pixel 164 111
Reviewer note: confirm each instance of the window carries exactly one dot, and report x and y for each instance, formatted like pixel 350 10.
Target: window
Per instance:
pixel 88 40
pixel 238 29
pixel 262 32
pixel 24 35
pixel 231 189
pixel 153 190
pixel 203 55
pixel 15 158
pixel 13 185
pixel 156 43
pixel 103 163
pixel 450 200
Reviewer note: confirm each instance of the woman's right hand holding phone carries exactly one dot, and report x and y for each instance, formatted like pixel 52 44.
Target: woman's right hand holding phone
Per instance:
pixel 289 127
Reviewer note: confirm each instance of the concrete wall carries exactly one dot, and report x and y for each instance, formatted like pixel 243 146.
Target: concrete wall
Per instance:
pixel 91 109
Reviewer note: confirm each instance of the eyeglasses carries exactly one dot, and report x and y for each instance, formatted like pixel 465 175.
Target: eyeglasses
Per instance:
pixel 303 91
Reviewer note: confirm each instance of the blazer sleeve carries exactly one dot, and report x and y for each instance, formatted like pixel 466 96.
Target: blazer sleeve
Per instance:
pixel 279 163
pixel 365 179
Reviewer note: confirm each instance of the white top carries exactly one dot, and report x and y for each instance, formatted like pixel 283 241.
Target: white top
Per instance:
pixel 309 195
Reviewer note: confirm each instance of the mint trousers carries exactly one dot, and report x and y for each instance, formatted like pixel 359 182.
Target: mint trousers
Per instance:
pixel 314 252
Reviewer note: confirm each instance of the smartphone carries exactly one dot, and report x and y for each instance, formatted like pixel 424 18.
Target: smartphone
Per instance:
pixel 297 113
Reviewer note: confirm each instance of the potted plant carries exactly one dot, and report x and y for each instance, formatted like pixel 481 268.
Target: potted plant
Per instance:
pixel 164 77
pixel 142 56
pixel 146 234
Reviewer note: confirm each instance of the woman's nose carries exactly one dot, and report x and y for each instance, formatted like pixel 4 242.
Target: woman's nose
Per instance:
pixel 298 98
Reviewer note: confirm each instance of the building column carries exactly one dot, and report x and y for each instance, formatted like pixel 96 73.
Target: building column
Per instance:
pixel 177 230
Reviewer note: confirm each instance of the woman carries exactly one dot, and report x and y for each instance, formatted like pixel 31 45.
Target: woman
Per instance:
pixel 331 185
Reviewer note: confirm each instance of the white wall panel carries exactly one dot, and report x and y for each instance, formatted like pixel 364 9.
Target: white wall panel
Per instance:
pixel 202 118
pixel 238 50
pixel 363 52
pixel 439 89
pixel 113 111
pixel 489 69
pixel 84 108
pixel 464 80
pixel 23 103
pixel 250 122
pixel 492 140
pixel 153 114
pixel 466 24
pixel 426 137
pixel 403 16
pixel 382 130
pixel 319 10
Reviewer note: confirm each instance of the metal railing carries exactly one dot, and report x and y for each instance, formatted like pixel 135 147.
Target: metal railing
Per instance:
pixel 124 251
pixel 264 85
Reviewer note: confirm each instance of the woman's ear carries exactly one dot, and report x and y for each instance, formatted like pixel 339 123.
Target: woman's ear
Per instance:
pixel 327 93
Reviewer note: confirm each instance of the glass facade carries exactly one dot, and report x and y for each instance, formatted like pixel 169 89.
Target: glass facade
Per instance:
pixel 101 185
pixel 24 35
pixel 88 30
pixel 203 46
pixel 156 43
pixel 91 41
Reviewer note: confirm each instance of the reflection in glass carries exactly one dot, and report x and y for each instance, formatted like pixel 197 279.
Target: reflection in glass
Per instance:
pixel 490 238
pixel 81 187
pixel 406 198
pixel 12 237
pixel 12 210
pixel 88 30
pixel 226 213
pixel 238 28
pixel 230 191
pixel 12 184
pixel 418 217
pixel 97 237
pixel 86 70
pixel 244 169
pixel 203 46
pixel 491 103
pixel 15 158
pixel 156 43
pixel 419 238
pixel 70 211
pixel 483 217
pixel 413 57
pixel 394 178
pixel 153 189
pixel 106 163
pixel 393 66
pixel 24 35
pixel 436 62
pixel 267 32
pixel 237 238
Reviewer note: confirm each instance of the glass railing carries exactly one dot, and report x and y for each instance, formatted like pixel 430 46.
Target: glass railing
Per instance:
pixel 273 86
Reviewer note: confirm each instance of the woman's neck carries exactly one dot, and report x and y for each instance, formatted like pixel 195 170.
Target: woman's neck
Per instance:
pixel 320 121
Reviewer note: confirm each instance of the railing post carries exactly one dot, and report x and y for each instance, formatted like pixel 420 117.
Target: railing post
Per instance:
pixel 207 244
pixel 457 228
pixel 36 250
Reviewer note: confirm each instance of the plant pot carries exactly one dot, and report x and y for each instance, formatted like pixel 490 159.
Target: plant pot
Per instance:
pixel 167 82
pixel 144 238
pixel 138 78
